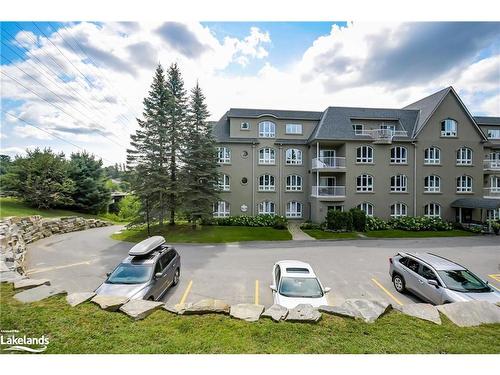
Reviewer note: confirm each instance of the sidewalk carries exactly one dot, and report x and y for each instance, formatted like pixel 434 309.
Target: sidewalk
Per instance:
pixel 297 233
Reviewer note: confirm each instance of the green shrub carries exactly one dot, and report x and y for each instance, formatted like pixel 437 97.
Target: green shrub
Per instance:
pixel 375 223
pixel 309 225
pixel 496 227
pixel 275 221
pixel 358 219
pixel 339 220
pixel 419 223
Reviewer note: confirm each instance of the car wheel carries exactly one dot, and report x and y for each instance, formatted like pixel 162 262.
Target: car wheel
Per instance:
pixel 176 277
pixel 399 283
pixel 151 298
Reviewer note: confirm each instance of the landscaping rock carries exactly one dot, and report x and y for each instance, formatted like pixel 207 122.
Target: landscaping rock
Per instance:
pixel 246 311
pixel 469 314
pixel 38 293
pixel 139 308
pixel 11 277
pixel 109 303
pixel 423 311
pixel 276 312
pixel 175 309
pixel 338 311
pixel 367 310
pixel 207 306
pixel 30 283
pixel 75 299
pixel 303 313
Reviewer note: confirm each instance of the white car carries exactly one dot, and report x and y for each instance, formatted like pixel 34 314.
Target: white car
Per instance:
pixel 295 283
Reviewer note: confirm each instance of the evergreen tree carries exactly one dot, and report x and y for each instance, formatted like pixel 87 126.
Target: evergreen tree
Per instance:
pixel 200 169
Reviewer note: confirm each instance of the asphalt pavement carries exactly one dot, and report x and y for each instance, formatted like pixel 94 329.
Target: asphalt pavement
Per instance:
pixel 241 272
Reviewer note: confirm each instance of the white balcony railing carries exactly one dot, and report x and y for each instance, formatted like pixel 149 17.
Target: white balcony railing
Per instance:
pixel 382 134
pixel 328 163
pixel 328 191
pixel 492 164
pixel 492 192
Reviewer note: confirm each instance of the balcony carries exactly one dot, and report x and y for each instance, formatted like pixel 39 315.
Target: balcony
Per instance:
pixel 382 135
pixel 328 163
pixel 492 192
pixel 328 192
pixel 491 165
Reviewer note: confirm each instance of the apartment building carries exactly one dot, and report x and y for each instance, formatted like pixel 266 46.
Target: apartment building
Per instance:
pixel 430 158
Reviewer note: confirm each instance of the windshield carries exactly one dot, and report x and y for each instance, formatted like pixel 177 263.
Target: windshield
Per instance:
pixel 463 281
pixel 300 287
pixel 127 273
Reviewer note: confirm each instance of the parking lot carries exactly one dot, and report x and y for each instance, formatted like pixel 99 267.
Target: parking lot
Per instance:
pixel 241 273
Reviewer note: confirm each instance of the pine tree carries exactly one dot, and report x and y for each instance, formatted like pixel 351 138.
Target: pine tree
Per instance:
pixel 200 170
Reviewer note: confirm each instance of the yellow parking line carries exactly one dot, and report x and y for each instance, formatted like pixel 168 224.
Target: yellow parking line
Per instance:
pixel 256 292
pixel 495 277
pixel 387 292
pixel 186 292
pixel 38 270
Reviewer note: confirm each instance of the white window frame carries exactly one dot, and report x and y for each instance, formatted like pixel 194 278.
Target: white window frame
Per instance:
pixel 493 214
pixel 432 210
pixel 244 126
pixel 224 155
pixel 289 153
pixel 366 185
pixel 267 182
pixel 267 156
pixel 267 208
pixel 464 184
pixel 222 209
pixel 293 182
pixel 495 184
pixel 367 208
pixel 399 155
pixel 399 209
pixel 399 183
pixel 294 209
pixel 364 154
pixel 357 130
pixel 449 128
pixel 293 129
pixel 432 184
pixel 464 156
pixel 267 129
pixel 493 133
pixel 224 183
pixel 432 155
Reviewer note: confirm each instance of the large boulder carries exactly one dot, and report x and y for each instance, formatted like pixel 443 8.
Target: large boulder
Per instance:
pixel 246 311
pixel 303 313
pixel 30 283
pixel 178 308
pixel 74 299
pixel 276 312
pixel 11 277
pixel 469 314
pixel 367 310
pixel 423 311
pixel 139 308
pixel 109 303
pixel 207 306
pixel 38 293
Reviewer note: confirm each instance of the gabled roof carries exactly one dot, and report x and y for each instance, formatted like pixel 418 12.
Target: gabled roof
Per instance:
pixel 484 120
pixel 279 114
pixel 337 122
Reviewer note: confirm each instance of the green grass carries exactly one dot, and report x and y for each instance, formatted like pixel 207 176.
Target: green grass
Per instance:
pixel 397 233
pixel 206 234
pixel 322 235
pixel 88 329
pixel 15 207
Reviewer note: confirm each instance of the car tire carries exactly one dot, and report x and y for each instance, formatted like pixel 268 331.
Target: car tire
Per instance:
pixel 151 298
pixel 399 283
pixel 177 276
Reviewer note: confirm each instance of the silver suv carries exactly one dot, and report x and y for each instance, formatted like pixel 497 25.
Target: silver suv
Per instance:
pixel 149 270
pixel 437 279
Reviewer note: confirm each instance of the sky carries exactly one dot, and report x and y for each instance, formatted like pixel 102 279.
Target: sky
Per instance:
pixel 80 85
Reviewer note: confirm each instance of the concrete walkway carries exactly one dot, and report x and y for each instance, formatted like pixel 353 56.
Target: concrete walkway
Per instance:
pixel 297 233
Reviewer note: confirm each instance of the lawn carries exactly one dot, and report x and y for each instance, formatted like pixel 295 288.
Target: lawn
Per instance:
pixel 14 207
pixel 397 233
pixel 323 235
pixel 88 329
pixel 206 234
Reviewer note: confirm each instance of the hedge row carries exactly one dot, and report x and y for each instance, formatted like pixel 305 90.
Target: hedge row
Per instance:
pixel 275 221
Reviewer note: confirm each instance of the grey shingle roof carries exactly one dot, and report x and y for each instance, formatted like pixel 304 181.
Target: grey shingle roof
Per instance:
pixel 486 203
pixel 280 114
pixel 486 120
pixel 337 122
pixel 426 106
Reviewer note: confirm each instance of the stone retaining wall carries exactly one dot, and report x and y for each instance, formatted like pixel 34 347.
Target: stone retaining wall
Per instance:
pixel 17 232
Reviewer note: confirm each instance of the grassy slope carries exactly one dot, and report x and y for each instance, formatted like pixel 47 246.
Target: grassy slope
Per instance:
pixel 206 234
pixel 396 233
pixel 87 329
pixel 14 207
pixel 321 234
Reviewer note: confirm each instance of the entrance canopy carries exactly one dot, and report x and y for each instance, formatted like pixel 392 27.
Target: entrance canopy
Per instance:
pixel 489 204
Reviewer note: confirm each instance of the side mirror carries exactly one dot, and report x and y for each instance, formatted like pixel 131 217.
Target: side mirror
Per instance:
pixel 273 288
pixel 158 275
pixel 107 274
pixel 327 289
pixel 433 282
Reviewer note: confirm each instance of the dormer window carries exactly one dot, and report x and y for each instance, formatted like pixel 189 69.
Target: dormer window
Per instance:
pixel 358 129
pixel 293 129
pixel 448 128
pixel 494 133
pixel 245 126
pixel 267 129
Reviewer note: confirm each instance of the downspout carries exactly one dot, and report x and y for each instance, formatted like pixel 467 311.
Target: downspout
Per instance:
pixel 253 179
pixel 280 175
pixel 414 178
